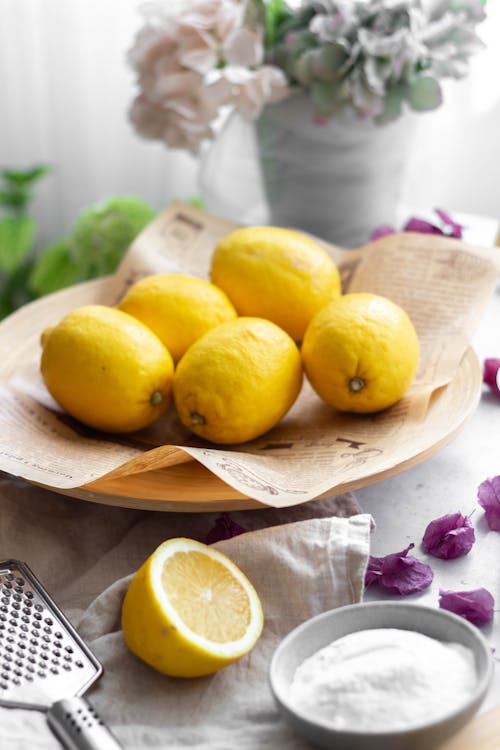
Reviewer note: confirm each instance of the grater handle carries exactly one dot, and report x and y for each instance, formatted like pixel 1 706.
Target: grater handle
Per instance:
pixel 78 726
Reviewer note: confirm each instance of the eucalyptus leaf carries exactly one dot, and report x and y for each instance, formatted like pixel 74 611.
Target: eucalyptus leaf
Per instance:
pixel 17 234
pixel 327 62
pixel 392 104
pixel 424 94
pixel 326 97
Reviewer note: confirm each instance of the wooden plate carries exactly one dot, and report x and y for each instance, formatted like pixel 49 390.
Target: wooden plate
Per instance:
pixel 189 486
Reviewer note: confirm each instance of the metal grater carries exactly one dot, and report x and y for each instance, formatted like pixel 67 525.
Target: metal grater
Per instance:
pixel 44 664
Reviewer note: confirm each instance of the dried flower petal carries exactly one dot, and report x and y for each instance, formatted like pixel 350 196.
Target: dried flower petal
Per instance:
pixel 382 231
pixel 398 573
pixel 449 228
pixel 225 528
pixel 491 374
pixel 449 536
pixel 421 225
pixel 455 228
pixel 476 606
pixel 488 495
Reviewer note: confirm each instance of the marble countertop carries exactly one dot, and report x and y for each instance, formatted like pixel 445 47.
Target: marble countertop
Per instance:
pixel 447 483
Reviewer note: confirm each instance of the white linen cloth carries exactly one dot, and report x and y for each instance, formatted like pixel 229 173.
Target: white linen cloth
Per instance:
pixel 302 561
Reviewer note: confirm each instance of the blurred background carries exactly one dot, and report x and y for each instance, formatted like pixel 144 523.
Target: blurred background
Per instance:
pixel 66 88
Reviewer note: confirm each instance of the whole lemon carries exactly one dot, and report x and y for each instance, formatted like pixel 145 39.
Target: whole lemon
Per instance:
pixel 360 353
pixel 237 381
pixel 107 369
pixel 275 273
pixel 179 308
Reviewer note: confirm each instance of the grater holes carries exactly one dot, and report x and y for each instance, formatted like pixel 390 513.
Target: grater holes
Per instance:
pixel 31 644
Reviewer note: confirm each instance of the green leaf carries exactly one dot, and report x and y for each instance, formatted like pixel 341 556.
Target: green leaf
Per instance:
pixel 424 94
pixel 392 103
pixel 275 13
pixel 24 176
pixel 17 235
pixel 55 269
pixel 103 233
pixel 5 306
pixel 196 201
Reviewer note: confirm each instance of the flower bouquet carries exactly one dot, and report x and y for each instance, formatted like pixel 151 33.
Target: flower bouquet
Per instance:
pixel 298 71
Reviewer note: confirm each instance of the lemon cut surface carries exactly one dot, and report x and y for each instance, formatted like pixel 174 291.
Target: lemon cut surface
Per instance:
pixel 190 611
pixel 360 353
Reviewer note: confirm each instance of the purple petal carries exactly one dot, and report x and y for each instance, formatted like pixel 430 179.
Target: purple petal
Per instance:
pixel 225 528
pixel 476 606
pixel 490 374
pixel 449 536
pixel 382 231
pixel 420 225
pixel 488 495
pixel 456 229
pixel 399 573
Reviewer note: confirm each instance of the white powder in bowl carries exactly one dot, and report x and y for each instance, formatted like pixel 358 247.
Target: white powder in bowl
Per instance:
pixel 383 679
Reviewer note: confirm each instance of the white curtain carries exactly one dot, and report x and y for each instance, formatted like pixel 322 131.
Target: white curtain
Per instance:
pixel 65 91
pixel 66 87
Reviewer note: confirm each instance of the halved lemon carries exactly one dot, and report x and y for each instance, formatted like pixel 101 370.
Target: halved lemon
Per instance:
pixel 190 611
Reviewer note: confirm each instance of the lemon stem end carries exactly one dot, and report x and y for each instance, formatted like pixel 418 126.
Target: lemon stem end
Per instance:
pixel 156 398
pixel 197 418
pixel 356 384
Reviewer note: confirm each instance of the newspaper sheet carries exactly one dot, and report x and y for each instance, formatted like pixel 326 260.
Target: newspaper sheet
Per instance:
pixel 443 284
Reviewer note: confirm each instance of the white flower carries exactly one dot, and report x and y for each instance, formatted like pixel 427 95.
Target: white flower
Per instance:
pixel 195 57
pixel 249 90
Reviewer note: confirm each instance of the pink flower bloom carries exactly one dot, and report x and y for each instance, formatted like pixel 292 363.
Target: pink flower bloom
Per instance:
pixel 477 606
pixel 249 90
pixel 184 125
pixel 491 375
pixel 191 59
pixel 488 495
pixel 449 536
pixel 399 573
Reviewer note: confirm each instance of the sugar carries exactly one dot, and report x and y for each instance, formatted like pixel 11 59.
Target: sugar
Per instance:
pixel 383 679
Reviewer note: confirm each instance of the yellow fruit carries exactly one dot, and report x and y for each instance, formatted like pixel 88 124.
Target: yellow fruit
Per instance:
pixel 189 610
pixel 277 274
pixel 177 307
pixel 360 353
pixel 237 381
pixel 107 369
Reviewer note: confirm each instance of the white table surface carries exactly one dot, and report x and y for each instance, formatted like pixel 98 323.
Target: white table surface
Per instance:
pixel 447 483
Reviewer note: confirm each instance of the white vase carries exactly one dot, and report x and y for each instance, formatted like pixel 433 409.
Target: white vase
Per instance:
pixel 339 181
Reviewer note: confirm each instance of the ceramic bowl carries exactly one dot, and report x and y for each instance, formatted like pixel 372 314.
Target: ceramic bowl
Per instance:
pixel 327 627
